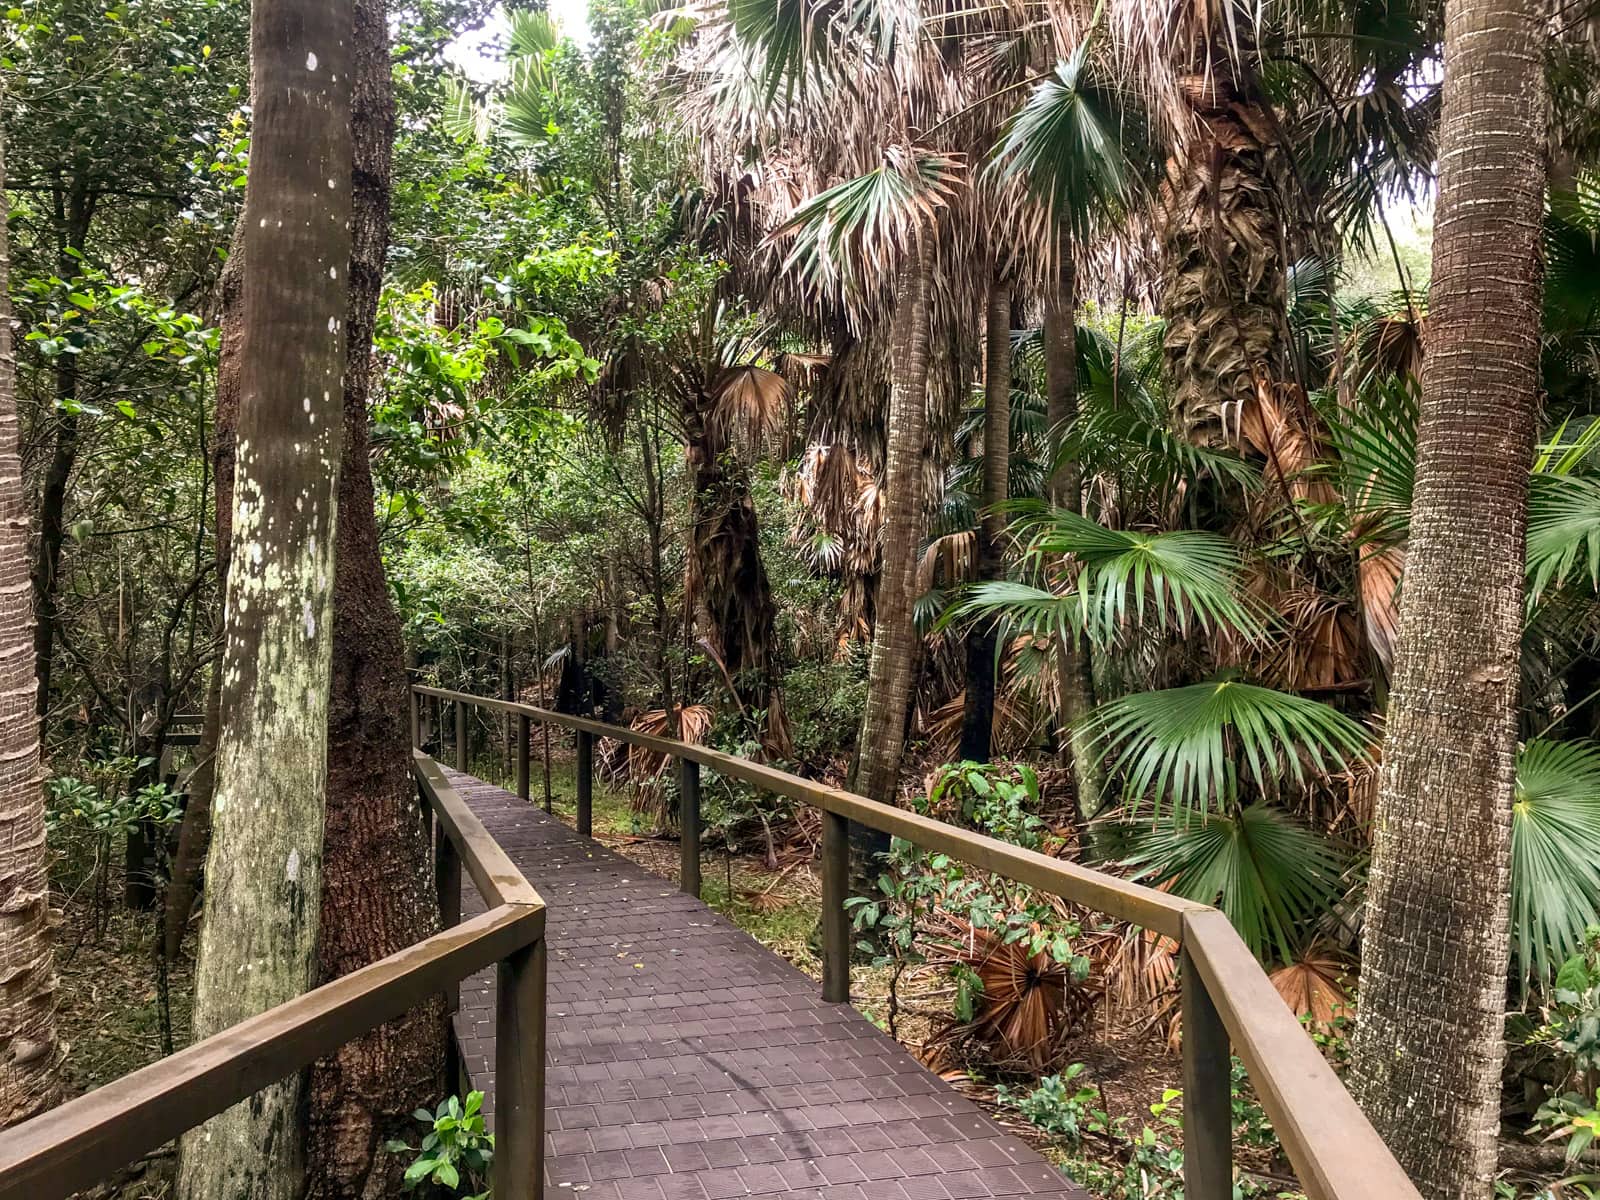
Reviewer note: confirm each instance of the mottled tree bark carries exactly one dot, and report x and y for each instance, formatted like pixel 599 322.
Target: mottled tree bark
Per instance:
pixel 892 670
pixel 977 724
pixel 1431 1037
pixel 29 1058
pixel 258 943
pixel 1074 676
pixel 377 894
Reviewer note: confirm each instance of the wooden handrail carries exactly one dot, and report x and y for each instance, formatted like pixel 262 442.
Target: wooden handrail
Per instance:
pixel 76 1144
pixel 1229 1003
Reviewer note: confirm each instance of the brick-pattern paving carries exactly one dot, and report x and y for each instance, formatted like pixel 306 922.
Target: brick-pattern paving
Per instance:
pixel 688 1062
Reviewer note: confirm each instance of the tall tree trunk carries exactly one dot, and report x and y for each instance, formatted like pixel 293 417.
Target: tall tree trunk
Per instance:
pixel 977 724
pixel 377 893
pixel 1074 676
pixel 74 215
pixel 892 670
pixel 1430 1040
pixel 29 1058
pixel 258 945
pixel 1222 238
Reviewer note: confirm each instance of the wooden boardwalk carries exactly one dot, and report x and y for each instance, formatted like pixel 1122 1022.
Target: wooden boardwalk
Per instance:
pixel 688 1062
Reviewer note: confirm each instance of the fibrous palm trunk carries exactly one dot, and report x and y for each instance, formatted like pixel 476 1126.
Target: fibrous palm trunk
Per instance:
pixel 892 670
pixel 1430 1039
pixel 258 944
pixel 28 1055
pixel 727 580
pixel 1220 222
pixel 1074 676
pixel 377 886
pixel 977 725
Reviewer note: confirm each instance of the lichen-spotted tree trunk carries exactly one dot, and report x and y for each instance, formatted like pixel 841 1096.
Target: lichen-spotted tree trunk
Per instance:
pixel 1074 676
pixel 377 885
pixel 258 942
pixel 1220 225
pixel 892 670
pixel 977 723
pixel 28 1054
pixel 1430 1038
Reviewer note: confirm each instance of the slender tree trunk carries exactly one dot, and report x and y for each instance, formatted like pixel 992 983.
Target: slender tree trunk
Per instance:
pixel 75 216
pixel 258 945
pixel 1430 1040
pixel 377 885
pixel 892 670
pixel 977 725
pixel 1074 676
pixel 29 1058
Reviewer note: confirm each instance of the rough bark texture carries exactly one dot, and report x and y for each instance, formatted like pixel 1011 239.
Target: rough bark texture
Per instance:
pixel 892 670
pixel 377 894
pixel 258 944
pixel 1430 1038
pixel 1222 246
pixel 977 724
pixel 1074 676
pixel 28 1051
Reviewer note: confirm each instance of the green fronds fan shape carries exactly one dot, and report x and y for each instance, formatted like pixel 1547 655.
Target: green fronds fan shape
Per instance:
pixel 1272 876
pixel 1555 854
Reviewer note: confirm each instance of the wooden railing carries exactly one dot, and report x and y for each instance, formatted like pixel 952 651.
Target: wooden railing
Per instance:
pixel 82 1141
pixel 1228 1003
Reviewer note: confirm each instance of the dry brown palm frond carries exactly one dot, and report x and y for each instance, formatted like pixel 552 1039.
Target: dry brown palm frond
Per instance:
pixel 1389 346
pixel 1278 424
pixel 1319 648
pixel 1030 1003
pixel 748 404
pixel 1313 986
pixel 1141 979
pixel 1379 568
pixel 647 769
pixel 947 560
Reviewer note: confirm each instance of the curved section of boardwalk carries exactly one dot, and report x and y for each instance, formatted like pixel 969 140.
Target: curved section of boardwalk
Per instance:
pixel 688 1062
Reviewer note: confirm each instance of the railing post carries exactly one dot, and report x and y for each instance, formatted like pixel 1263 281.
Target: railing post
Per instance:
pixel 519 1074
pixel 585 783
pixel 447 878
pixel 544 734
pixel 689 827
pixel 835 919
pixel 438 726
pixel 461 736
pixel 523 732
pixel 416 721
pixel 1207 1092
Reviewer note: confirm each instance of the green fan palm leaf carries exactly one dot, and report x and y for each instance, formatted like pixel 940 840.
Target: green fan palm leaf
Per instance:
pixel 1272 876
pixel 1194 745
pixel 1555 853
pixel 1075 141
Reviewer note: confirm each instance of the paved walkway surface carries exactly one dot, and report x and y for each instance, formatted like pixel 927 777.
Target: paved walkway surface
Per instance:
pixel 688 1062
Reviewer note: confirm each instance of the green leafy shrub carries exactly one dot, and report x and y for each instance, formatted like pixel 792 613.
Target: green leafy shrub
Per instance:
pixel 455 1153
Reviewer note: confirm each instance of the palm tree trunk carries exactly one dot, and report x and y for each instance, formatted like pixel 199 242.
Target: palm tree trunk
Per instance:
pixel 28 1049
pixel 1222 245
pixel 977 724
pixel 258 945
pixel 1431 1035
pixel 891 673
pixel 377 885
pixel 1074 673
